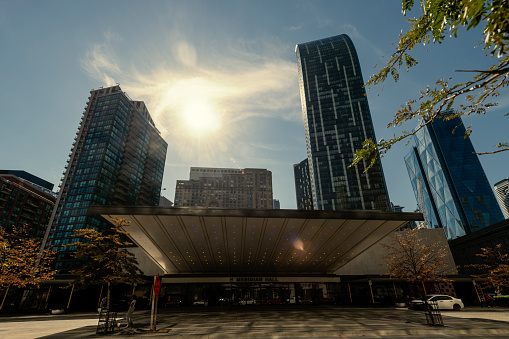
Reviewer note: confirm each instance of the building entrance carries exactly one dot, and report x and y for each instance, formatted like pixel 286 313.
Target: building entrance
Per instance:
pixel 249 293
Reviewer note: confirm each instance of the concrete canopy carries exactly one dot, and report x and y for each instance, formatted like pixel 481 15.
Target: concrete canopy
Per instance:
pixel 256 242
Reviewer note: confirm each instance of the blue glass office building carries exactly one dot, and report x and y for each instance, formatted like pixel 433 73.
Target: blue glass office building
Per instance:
pixel 117 158
pixel 336 121
pixel 448 178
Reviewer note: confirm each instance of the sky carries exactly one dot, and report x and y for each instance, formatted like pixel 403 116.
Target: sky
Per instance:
pixel 218 77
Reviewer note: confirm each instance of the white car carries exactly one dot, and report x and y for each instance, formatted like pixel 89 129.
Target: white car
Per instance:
pixel 444 302
pixel 201 303
pixel 247 302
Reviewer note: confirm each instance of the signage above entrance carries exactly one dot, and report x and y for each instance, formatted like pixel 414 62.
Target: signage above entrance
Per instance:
pixel 252 280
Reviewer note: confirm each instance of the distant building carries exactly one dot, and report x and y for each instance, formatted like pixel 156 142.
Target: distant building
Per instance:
pixel 465 249
pixel 276 205
pixel 303 188
pixel 502 192
pixel 165 202
pixel 117 158
pixel 408 225
pixel 448 179
pixel 226 188
pixel 24 202
pixel 337 120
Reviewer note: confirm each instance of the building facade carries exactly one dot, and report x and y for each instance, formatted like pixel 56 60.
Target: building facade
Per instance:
pixel 117 158
pixel 303 188
pixel 24 202
pixel 226 188
pixel 466 249
pixel 448 179
pixel 502 192
pixel 276 204
pixel 337 120
pixel 225 256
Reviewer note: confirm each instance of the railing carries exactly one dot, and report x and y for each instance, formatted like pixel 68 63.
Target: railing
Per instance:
pixel 433 315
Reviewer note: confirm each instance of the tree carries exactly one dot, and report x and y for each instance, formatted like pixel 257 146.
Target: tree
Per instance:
pixel 104 257
pixel 413 260
pixel 494 267
pixel 22 263
pixel 438 17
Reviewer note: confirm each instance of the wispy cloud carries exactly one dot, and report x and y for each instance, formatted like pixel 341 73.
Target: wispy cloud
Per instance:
pixel 99 62
pixel 240 81
pixel 354 33
pixel 294 28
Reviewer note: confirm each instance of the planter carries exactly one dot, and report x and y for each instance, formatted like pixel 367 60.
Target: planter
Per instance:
pixel 58 311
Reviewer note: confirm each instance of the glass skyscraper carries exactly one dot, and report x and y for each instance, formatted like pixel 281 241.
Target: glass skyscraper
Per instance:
pixel 336 121
pixel 117 158
pixel 448 179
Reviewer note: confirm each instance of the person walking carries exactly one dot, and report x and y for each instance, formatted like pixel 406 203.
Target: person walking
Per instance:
pixel 130 311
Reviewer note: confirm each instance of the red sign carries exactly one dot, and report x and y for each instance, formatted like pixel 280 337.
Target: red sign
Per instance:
pixel 157 286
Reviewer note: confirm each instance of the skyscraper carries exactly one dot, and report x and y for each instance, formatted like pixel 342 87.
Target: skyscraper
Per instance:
pixel 226 188
pixel 117 158
pixel 502 192
pixel 303 185
pixel 448 179
pixel 336 121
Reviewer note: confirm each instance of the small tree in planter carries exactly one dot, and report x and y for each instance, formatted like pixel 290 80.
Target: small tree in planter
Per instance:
pixel 411 259
pixel 104 257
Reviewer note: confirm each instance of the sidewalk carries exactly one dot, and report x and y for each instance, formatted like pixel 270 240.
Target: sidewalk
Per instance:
pixel 270 322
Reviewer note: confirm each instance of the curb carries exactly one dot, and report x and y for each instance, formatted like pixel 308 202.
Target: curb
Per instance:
pixel 336 334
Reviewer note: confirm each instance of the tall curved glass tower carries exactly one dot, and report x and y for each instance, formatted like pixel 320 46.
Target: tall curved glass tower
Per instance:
pixel 337 120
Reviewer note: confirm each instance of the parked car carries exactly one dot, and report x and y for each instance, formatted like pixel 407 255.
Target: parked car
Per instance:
pixel 200 303
pixel 173 302
pixel 444 302
pixel 247 302
pixel 223 301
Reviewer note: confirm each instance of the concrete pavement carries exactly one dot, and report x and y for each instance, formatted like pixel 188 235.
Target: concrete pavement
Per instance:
pixel 276 321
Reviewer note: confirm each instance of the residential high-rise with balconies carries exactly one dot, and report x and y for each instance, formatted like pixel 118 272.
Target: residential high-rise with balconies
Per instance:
pixel 337 120
pixel 25 200
pixel 117 158
pixel 448 179
pixel 226 188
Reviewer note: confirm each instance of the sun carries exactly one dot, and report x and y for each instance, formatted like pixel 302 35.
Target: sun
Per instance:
pixel 200 118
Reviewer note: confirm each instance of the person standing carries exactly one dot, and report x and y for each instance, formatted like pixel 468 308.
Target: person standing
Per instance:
pixel 130 311
pixel 103 305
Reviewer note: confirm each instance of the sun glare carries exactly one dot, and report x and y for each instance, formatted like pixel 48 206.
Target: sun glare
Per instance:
pixel 200 118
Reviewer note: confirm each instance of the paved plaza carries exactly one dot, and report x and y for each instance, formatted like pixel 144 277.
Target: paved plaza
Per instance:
pixel 270 322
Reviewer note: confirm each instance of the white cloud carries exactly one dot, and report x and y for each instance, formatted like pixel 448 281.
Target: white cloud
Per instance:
pixel 100 65
pixel 239 82
pixel 294 28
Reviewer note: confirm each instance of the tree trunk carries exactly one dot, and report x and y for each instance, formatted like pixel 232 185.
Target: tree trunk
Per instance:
pixel 109 295
pixel 5 296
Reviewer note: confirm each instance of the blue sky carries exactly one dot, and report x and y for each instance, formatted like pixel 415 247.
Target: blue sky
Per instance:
pixel 233 61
